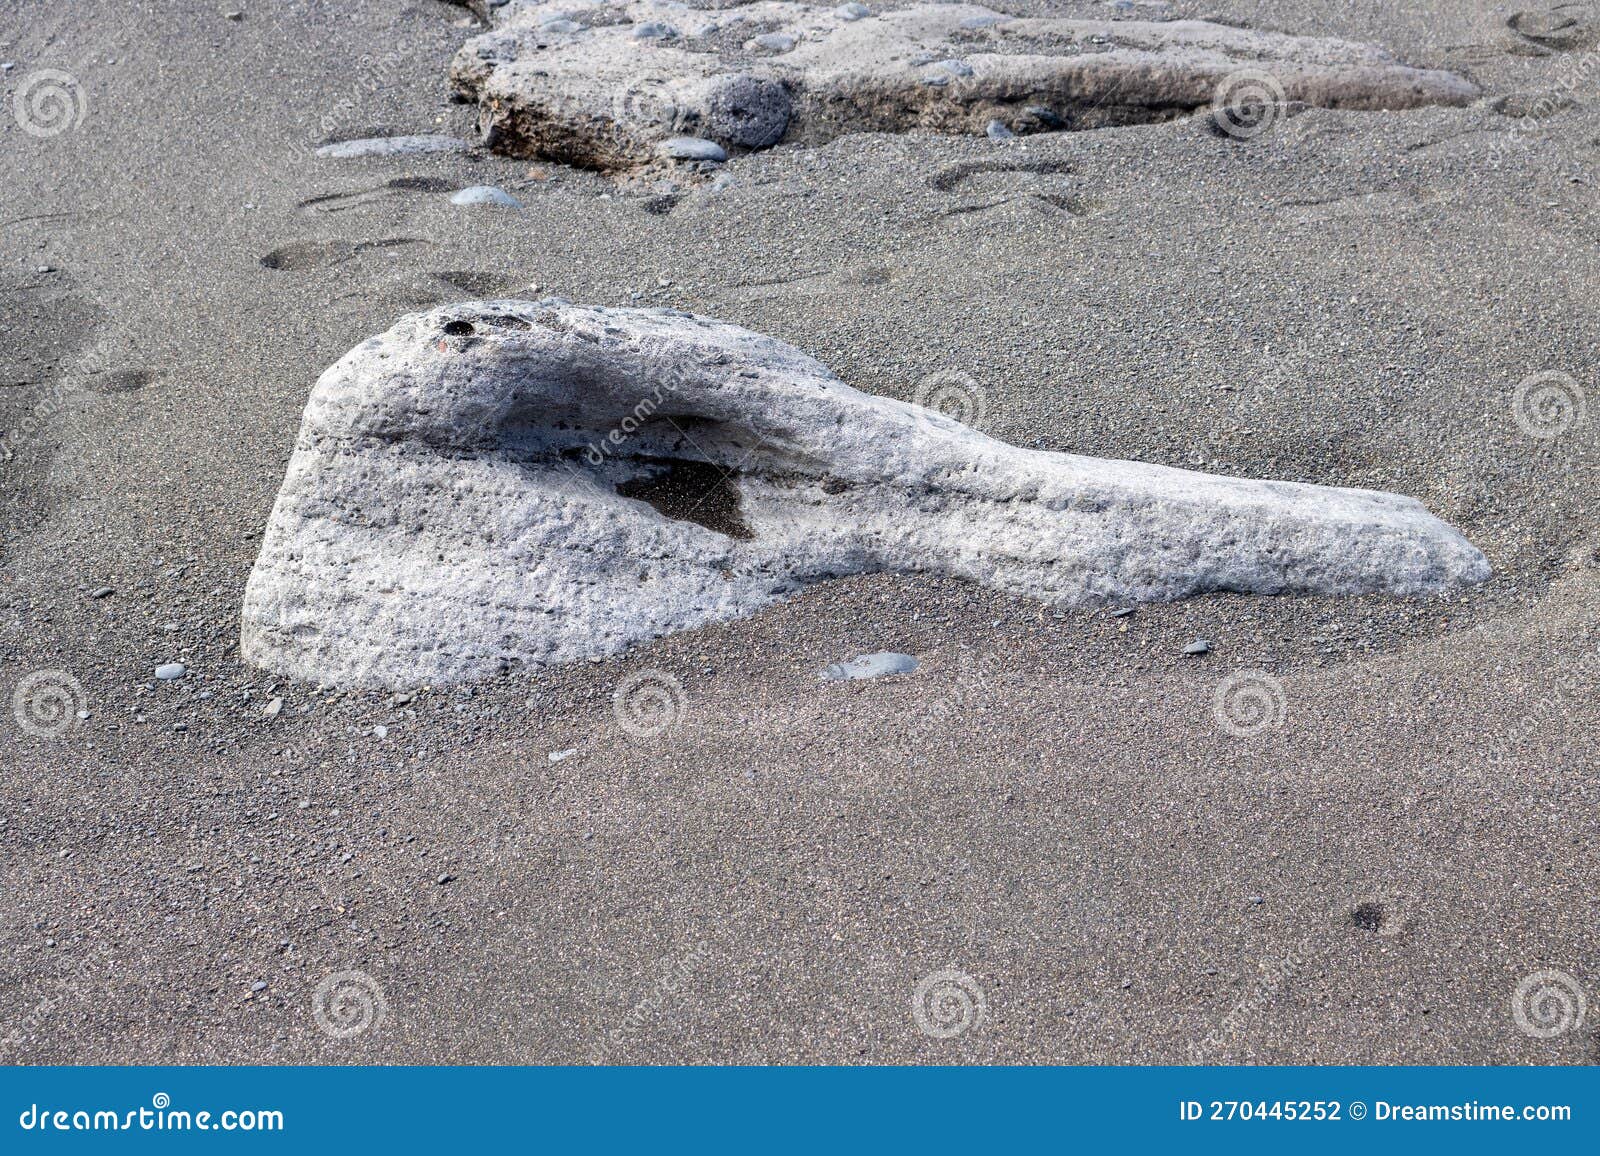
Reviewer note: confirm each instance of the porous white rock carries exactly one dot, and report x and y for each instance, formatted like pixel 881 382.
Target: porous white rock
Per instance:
pixel 503 483
pixel 751 75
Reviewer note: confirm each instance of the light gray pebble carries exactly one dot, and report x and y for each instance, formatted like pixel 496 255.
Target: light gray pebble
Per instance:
pixel 692 148
pixel 997 130
pixel 852 12
pixel 168 671
pixel 1198 646
pixel 654 30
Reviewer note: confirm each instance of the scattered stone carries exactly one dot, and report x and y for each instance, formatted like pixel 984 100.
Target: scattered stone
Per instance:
pixel 562 27
pixel 102 592
pixel 692 148
pixel 259 985
pixel 392 146
pixel 559 756
pixel 484 195
pixel 1122 611
pixel 274 708
pixel 443 879
pixel 168 671
pixel 865 666
pixel 597 101
pixel 997 130
pixel 380 731
pixel 468 422
pixel 1198 646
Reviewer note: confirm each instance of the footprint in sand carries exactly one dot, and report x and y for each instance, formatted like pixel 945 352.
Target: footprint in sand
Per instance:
pixel 299 256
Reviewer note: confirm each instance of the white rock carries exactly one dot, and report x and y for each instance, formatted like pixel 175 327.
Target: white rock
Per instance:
pixel 503 483
pixel 606 99
pixel 392 146
pixel 484 195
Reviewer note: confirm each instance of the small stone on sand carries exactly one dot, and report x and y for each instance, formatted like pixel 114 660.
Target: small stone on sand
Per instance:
pixel 692 148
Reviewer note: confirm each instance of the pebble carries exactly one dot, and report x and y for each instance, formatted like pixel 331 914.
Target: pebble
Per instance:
pixel 1122 611
pixel 274 708
pixel 443 879
pixel 774 42
pixel 1198 646
pixel 692 148
pixel 654 30
pixel 563 27
pixel 380 731
pixel 168 671
pixel 558 756
pixel 852 12
pixel 102 592
pixel 485 195
pixel 870 666
pixel 259 985
pixel 997 130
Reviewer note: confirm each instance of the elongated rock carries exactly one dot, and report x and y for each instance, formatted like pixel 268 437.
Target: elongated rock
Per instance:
pixel 601 83
pixel 492 484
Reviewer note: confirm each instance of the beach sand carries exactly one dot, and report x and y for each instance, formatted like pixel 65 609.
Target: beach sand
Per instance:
pixel 1051 805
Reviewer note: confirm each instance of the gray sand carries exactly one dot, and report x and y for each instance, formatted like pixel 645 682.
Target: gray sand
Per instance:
pixel 1050 804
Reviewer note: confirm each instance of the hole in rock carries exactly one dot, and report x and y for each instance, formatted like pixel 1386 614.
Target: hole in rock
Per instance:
pixel 689 491
pixel 458 328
